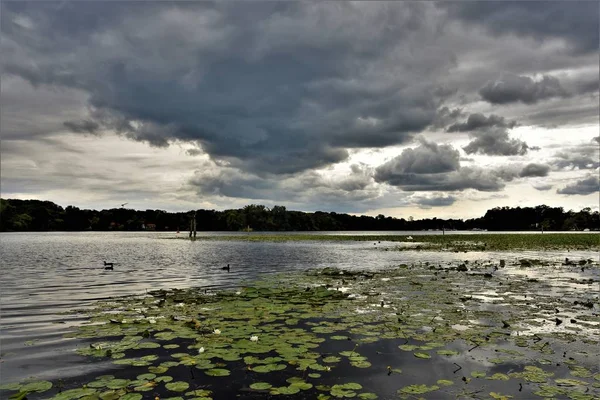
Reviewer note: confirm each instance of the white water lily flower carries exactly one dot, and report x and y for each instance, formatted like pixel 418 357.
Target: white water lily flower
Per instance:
pixel 409 238
pixel 328 368
pixel 238 293
pixel 254 338
pixel 152 320
pixel 179 305
pixel 217 331
pixel 201 350
pixel 124 321
pixel 98 346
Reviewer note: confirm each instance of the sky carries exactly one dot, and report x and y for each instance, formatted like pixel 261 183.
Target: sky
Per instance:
pixel 404 109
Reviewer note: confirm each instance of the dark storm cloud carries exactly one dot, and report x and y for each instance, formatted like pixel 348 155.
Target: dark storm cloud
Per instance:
pixel 446 116
pixel 584 186
pixel 513 88
pixel 490 135
pixel 495 142
pixel 534 169
pixel 432 167
pixel 269 91
pixel 480 121
pixel 436 201
pixel 258 85
pixel 575 22
pixel 464 178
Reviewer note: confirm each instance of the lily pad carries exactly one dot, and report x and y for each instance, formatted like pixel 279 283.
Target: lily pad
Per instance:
pixel 177 386
pixel 74 394
pixel 131 396
pixel 146 376
pixel 261 386
pixel 217 372
pixel 422 355
pixel 117 383
pixel 39 387
pixel 367 396
pixel 445 352
pixel 268 368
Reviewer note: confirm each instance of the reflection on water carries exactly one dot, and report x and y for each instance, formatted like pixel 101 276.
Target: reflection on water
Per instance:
pixel 44 275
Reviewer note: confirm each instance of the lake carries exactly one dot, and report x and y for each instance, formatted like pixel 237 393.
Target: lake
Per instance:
pixel 47 276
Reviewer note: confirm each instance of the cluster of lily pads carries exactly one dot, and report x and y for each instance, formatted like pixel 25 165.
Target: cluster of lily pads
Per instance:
pixel 331 333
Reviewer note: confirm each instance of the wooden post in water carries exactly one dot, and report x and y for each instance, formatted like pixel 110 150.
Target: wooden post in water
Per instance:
pixel 194 225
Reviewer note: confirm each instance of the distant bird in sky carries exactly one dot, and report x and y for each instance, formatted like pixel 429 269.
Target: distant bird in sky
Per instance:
pixel 124 204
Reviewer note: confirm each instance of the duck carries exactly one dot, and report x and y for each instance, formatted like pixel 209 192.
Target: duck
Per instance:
pixel 109 265
pixel 227 268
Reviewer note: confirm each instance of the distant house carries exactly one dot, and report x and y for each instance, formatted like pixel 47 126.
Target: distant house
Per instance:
pixel 150 227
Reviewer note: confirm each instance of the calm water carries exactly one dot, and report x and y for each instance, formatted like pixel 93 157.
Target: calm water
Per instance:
pixel 44 275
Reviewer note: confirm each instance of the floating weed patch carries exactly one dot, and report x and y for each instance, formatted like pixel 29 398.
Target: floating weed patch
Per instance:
pixel 297 335
pixel 449 242
pixel 418 389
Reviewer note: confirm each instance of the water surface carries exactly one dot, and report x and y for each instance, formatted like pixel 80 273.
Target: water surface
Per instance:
pixel 45 276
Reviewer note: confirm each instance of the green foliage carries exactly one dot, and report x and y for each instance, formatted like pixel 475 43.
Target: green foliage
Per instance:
pixel 35 215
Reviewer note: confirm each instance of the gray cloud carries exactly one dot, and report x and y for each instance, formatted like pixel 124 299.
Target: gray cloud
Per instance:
pixel 435 201
pixel 510 172
pixel 584 186
pixel 575 22
pixel 513 88
pixel 432 167
pixel 583 156
pixel 490 135
pixel 270 91
pixel 354 192
pixel 480 121
pixel 252 97
pixel 428 158
pixel 534 169
pixel 84 126
pixel 495 141
pixel 464 178
pixel 542 187
pixel 446 116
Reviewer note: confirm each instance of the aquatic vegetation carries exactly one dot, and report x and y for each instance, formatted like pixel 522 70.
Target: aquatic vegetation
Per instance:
pixel 448 242
pixel 298 334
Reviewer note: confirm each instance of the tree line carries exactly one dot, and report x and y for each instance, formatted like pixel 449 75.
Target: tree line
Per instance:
pixel 36 215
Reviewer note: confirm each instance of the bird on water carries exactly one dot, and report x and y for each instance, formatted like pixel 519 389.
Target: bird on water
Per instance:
pixel 108 265
pixel 226 268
